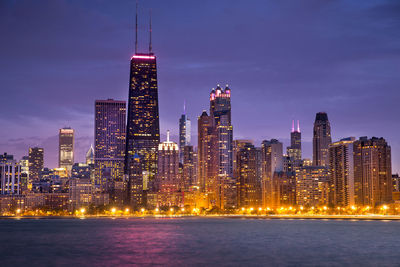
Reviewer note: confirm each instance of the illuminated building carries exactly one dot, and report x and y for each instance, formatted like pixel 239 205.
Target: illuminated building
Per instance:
pixel 189 170
pixel 220 111
pixel 10 175
pixel 284 186
pixel 184 133
pixel 143 131
pixel 294 151
pixel 207 158
pixel 248 175
pixel 372 171
pixel 272 161
pixel 36 163
pixel 66 148
pixel 25 183
pixel 342 172
pixel 312 186
pixel 168 180
pixel 396 182
pixel 109 151
pixel 80 193
pixel 321 139
pixel 90 155
pixel 82 170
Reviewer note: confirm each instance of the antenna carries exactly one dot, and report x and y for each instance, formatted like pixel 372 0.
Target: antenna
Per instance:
pixel 136 27
pixel 150 46
pixel 184 107
pixel 298 126
pixel 292 126
pixel 167 136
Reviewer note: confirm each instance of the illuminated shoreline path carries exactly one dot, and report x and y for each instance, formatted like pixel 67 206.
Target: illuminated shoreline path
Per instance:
pixel 143 130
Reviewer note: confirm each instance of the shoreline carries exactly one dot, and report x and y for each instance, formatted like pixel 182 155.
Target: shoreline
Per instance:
pixel 261 217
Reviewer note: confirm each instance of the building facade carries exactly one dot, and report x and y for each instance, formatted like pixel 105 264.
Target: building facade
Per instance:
pixel 10 175
pixel 321 140
pixel 341 166
pixel 372 172
pixel 312 186
pixel 184 133
pixel 66 148
pixel 272 161
pixel 109 151
pixel 36 163
pixel 143 131
pixel 248 175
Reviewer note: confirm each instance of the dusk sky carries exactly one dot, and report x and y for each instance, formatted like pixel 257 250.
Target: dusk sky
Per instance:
pixel 283 60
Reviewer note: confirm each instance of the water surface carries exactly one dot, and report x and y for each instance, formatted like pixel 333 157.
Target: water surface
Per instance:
pixel 198 242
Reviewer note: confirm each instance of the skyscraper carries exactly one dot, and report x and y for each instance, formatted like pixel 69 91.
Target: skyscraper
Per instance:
pixel 207 158
pixel 184 133
pixel 168 165
pixel 90 156
pixel 372 171
pixel 321 139
pixel 36 163
pixel 66 149
pixel 220 111
pixel 248 176
pixel 272 161
pixel 189 171
pixel 294 151
pixel 341 166
pixel 143 131
pixel 110 132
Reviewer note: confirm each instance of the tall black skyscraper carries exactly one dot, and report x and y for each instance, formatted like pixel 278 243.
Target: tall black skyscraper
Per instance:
pixel 143 131
pixel 321 139
pixel 294 151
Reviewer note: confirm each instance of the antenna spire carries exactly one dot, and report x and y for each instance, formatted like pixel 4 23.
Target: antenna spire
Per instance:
pixel 150 45
pixel 298 126
pixel 168 136
pixel 292 126
pixel 184 107
pixel 136 28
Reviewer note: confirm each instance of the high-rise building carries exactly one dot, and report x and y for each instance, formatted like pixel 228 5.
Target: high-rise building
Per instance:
pixel 110 129
pixel 312 186
pixel 272 161
pixel 248 176
pixel 36 163
pixel 10 175
pixel 372 171
pixel 184 133
pixel 25 185
pixel 168 180
pixel 90 156
pixel 66 148
pixel 341 163
pixel 189 171
pixel 321 139
pixel 294 150
pixel 284 189
pixel 207 158
pixel 220 111
pixel 143 130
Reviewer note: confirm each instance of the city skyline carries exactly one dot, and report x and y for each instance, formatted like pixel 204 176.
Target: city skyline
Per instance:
pixel 368 123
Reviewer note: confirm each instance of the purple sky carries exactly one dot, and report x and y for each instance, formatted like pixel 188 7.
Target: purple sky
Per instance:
pixel 283 60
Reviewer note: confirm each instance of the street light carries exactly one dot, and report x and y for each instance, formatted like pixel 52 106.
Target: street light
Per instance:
pixel 83 211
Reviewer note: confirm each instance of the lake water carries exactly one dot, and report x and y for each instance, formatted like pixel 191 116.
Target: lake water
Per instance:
pixel 198 242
